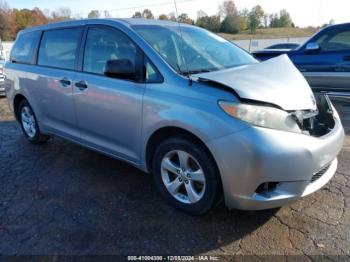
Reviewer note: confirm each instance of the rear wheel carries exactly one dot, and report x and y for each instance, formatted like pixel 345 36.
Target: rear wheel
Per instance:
pixel 186 175
pixel 29 124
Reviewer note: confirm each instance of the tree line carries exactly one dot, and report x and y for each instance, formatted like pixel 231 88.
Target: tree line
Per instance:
pixel 227 20
pixel 13 20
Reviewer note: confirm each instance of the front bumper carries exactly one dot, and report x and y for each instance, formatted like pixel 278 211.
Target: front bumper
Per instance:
pixel 254 156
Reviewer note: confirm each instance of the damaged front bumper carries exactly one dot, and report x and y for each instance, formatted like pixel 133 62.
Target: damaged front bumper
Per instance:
pixel 264 168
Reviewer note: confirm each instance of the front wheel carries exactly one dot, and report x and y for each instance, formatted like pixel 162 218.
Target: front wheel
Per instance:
pixel 186 175
pixel 29 124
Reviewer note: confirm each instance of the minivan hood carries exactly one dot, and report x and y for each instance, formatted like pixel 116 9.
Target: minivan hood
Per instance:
pixel 276 81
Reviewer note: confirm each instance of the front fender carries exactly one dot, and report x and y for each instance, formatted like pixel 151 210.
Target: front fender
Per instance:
pixel 202 118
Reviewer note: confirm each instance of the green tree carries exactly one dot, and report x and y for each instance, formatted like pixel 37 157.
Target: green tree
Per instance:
pixel 211 23
pixel 137 14
pixel 163 17
pixel 94 14
pixel 23 18
pixel 4 27
pixel 243 19
pixel 255 18
pixel 184 18
pixel 231 24
pixel 147 14
pixel 285 20
pixel 274 20
pixel 231 18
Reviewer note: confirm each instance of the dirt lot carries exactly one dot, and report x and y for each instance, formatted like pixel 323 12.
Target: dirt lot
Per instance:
pixel 60 198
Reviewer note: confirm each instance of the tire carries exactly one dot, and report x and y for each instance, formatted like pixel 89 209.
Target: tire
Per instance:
pixel 29 124
pixel 206 194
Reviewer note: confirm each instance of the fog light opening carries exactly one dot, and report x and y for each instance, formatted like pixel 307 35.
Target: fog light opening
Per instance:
pixel 266 187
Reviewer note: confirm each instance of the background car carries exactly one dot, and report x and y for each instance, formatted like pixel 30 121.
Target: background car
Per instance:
pixel 324 59
pixel 284 46
pixel 2 86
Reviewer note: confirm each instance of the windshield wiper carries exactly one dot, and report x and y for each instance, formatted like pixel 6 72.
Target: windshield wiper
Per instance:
pixel 192 72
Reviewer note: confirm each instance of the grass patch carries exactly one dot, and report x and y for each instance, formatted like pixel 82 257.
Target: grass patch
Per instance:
pixel 270 33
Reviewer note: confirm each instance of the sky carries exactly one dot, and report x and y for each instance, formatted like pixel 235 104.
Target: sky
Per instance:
pixel 304 12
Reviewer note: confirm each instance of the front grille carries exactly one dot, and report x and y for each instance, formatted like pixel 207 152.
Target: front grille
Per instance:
pixel 320 173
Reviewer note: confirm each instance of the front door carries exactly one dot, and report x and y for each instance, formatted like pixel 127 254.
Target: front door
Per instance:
pixel 109 110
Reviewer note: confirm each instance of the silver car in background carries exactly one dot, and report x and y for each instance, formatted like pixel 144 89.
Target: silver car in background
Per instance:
pixel 202 115
pixel 2 85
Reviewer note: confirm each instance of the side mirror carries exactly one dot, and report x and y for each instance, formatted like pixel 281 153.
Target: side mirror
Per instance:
pixel 120 68
pixel 312 47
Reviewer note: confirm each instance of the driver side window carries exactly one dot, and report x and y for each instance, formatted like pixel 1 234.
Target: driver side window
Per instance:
pixel 103 44
pixel 335 42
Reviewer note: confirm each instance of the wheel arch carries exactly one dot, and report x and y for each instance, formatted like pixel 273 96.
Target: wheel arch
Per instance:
pixel 167 132
pixel 163 133
pixel 16 102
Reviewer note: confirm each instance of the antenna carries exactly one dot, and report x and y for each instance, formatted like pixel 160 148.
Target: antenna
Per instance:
pixel 183 56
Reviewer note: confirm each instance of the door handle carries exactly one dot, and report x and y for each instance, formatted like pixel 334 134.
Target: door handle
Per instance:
pixel 82 85
pixel 65 82
pixel 347 58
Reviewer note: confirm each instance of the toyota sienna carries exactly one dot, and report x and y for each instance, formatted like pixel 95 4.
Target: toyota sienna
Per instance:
pixel 202 115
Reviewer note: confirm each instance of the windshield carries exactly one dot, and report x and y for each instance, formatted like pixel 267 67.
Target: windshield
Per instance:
pixel 198 51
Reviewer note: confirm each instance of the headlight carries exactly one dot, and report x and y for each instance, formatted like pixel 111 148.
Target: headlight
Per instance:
pixel 262 116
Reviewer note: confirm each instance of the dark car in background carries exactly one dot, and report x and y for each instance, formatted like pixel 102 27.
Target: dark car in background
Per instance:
pixel 2 62
pixel 324 59
pixel 285 46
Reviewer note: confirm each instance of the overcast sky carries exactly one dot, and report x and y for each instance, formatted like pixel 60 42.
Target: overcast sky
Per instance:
pixel 303 12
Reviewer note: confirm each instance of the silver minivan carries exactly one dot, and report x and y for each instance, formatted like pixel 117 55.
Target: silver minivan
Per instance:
pixel 199 113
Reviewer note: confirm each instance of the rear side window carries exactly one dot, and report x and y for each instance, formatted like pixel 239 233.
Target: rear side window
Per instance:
pixel 24 49
pixel 58 48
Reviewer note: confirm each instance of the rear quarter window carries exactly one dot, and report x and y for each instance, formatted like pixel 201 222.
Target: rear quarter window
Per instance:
pixel 58 48
pixel 24 48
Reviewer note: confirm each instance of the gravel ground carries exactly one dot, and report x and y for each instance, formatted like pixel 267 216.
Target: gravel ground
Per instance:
pixel 60 198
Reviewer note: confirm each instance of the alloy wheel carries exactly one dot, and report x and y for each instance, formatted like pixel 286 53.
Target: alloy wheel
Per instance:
pixel 183 176
pixel 28 121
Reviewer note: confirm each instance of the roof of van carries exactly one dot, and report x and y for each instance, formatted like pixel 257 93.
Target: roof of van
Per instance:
pixel 125 21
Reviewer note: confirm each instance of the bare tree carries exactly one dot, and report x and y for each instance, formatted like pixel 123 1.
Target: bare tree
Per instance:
pixel 201 14
pixel 106 14
pixel 65 12
pixel 61 13
pixel 4 6
pixel 228 8
pixel 172 17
